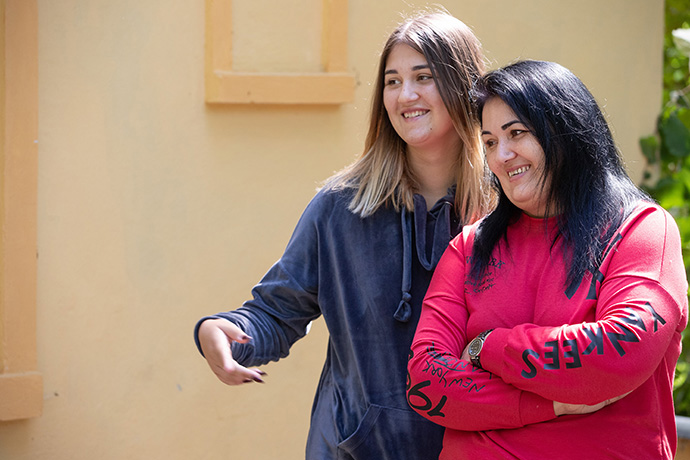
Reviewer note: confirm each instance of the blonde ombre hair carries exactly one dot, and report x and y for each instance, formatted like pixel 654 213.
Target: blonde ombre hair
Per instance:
pixel 381 173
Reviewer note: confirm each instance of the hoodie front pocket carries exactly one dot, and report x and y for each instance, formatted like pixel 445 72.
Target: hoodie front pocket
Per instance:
pixel 392 434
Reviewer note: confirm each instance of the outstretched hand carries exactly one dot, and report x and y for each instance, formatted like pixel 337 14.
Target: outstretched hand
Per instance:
pixel 215 338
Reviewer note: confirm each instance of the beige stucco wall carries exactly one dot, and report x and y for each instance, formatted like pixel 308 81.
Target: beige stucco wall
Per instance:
pixel 155 209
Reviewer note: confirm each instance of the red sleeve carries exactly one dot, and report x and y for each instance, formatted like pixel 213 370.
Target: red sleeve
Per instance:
pixel 641 310
pixel 448 390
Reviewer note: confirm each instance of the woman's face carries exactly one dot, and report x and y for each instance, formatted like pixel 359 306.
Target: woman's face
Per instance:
pixel 414 105
pixel 515 156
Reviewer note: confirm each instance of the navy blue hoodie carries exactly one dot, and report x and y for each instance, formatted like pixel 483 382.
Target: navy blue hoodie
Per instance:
pixel 367 277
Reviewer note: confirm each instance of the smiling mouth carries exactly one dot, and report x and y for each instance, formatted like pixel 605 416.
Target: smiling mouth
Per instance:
pixel 416 113
pixel 518 171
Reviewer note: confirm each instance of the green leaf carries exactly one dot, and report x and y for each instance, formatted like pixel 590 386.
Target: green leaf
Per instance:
pixel 670 193
pixel 684 177
pixel 675 135
pixel 684 116
pixel 649 146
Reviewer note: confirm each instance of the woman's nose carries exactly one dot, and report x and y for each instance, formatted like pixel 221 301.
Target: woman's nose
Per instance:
pixel 505 151
pixel 408 91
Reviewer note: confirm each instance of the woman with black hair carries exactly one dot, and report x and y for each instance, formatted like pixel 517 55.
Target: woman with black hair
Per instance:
pixel 552 327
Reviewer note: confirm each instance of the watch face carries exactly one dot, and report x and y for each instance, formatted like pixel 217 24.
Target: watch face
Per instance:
pixel 475 347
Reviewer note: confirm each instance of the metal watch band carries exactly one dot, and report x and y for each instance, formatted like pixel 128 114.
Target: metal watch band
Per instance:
pixel 480 342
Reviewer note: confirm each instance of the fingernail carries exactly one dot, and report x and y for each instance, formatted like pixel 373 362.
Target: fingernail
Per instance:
pixel 257 379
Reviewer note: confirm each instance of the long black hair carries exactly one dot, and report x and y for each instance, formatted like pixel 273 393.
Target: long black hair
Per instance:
pixel 588 189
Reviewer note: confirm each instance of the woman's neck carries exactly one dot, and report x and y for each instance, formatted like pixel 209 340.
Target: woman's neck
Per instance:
pixel 435 173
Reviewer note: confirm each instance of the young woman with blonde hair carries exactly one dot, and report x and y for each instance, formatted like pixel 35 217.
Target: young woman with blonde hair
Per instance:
pixel 364 250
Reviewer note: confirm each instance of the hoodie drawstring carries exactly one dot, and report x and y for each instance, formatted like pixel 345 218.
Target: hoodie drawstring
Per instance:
pixel 440 239
pixel 404 310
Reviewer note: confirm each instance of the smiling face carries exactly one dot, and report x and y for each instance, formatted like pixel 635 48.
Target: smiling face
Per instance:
pixel 414 105
pixel 515 156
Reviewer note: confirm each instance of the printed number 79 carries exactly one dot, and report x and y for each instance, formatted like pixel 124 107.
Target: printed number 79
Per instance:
pixel 416 391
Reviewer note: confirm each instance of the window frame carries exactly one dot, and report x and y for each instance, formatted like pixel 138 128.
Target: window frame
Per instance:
pixel 224 86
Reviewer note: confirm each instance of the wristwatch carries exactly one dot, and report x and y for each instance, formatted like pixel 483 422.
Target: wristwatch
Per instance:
pixel 476 346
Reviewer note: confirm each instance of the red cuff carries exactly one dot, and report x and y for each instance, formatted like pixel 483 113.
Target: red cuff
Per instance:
pixel 491 355
pixel 533 408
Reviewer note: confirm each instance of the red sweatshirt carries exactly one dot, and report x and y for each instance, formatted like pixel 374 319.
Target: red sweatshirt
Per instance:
pixel 618 331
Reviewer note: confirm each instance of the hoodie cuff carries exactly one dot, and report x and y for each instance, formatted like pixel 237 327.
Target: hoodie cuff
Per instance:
pixel 196 332
pixel 533 408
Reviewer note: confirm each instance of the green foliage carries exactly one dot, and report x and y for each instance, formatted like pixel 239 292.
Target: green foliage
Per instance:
pixel 667 175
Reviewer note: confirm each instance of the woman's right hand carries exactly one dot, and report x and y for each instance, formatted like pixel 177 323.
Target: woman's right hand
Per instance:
pixel 215 338
pixel 572 409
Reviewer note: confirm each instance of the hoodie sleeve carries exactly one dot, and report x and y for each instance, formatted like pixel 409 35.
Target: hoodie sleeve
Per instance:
pixel 284 301
pixel 641 310
pixel 450 391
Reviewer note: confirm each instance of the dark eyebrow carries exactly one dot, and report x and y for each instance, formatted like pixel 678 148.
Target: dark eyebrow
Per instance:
pixel 503 128
pixel 510 123
pixel 415 68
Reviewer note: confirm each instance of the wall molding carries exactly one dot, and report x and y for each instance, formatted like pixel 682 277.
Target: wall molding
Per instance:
pixel 21 385
pixel 224 86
